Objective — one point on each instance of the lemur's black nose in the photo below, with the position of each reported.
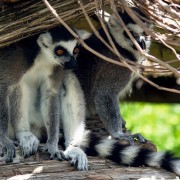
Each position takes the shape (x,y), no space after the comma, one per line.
(71,64)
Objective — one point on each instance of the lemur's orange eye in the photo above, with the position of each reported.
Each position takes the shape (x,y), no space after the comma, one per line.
(59,52)
(76,50)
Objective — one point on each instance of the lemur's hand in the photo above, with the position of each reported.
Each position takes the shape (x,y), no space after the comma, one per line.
(7,149)
(53,150)
(77,157)
(28,143)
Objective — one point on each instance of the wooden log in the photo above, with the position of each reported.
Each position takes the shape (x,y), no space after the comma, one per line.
(23,19)
(98,169)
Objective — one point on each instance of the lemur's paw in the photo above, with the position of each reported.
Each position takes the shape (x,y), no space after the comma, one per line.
(53,150)
(131,138)
(139,137)
(7,149)
(28,143)
(77,158)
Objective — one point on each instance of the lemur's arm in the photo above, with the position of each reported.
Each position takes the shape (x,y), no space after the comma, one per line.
(49,105)
(73,119)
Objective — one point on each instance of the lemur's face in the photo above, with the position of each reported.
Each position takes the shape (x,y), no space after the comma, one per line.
(66,52)
(121,36)
(138,34)
(59,50)
(62,52)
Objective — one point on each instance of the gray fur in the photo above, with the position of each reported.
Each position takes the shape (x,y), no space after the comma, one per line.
(104,83)
(8,77)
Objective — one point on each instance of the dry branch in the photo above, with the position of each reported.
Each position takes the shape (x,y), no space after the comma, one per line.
(26,18)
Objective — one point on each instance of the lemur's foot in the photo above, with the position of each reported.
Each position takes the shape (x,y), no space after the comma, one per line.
(131,138)
(28,143)
(53,150)
(16,143)
(7,149)
(77,157)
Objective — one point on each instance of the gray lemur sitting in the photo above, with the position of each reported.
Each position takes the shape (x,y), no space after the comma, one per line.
(33,69)
(103,82)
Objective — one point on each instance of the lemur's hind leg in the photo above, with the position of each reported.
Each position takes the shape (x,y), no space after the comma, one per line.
(21,103)
(7,149)
(107,107)
(73,116)
(106,100)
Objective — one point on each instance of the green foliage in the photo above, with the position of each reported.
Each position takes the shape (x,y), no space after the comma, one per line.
(159,123)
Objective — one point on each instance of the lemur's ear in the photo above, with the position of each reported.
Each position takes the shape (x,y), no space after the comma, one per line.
(44,40)
(83,34)
(113,22)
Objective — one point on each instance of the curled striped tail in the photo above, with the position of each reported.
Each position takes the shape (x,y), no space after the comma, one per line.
(129,155)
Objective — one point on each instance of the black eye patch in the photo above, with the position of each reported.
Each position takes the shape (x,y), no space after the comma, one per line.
(60,51)
(76,50)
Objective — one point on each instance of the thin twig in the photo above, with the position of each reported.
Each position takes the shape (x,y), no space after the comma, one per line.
(136,19)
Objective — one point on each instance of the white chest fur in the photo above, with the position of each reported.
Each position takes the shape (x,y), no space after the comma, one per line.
(34,82)
(41,70)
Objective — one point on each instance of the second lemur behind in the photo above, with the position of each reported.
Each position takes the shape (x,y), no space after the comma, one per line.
(105,83)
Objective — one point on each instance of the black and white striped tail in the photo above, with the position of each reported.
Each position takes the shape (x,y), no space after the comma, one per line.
(130,155)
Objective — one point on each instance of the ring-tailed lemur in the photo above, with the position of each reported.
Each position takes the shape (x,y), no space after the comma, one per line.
(31,76)
(103,82)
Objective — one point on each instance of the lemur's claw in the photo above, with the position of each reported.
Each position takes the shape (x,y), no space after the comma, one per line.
(139,137)
(7,150)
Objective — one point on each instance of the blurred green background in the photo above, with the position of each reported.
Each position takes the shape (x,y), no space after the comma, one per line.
(159,123)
